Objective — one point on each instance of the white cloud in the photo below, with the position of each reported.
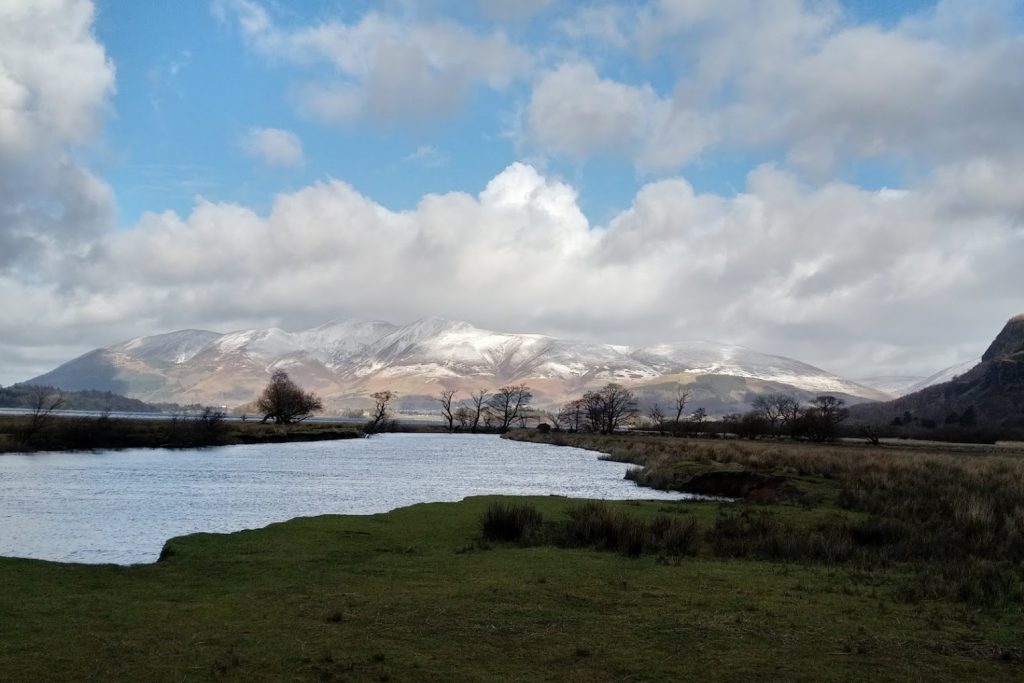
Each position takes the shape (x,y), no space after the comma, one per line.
(428,156)
(273,146)
(574,111)
(55,81)
(602,24)
(836,275)
(387,70)
(796,75)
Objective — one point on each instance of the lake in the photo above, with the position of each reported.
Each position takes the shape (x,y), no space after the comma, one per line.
(121,506)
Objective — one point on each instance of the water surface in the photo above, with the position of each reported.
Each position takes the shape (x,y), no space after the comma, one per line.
(121,506)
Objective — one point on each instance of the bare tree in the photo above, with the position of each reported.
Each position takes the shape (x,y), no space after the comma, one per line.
(478,402)
(698,418)
(508,402)
(657,418)
(43,403)
(446,407)
(772,409)
(682,395)
(382,405)
(464,416)
(609,408)
(790,410)
(285,402)
(571,415)
(821,420)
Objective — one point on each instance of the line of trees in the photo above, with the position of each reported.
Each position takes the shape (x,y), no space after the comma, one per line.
(487,411)
(780,416)
(614,407)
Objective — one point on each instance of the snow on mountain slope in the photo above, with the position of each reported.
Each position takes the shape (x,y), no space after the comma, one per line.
(944,375)
(440,348)
(351,358)
(170,348)
(895,385)
(338,341)
(708,358)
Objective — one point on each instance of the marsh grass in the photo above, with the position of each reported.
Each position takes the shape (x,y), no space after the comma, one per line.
(956,516)
(593,524)
(508,522)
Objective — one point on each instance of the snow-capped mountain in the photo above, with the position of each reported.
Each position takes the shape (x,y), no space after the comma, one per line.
(346,360)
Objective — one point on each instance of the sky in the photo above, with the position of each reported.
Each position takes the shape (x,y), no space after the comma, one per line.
(838,181)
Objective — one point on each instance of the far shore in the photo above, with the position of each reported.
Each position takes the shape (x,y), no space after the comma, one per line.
(87,433)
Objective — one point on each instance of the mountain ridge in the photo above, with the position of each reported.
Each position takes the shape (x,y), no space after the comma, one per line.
(345,360)
(987,393)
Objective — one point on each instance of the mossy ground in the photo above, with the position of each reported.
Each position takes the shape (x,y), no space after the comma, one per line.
(416,595)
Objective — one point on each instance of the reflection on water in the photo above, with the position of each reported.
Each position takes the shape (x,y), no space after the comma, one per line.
(121,507)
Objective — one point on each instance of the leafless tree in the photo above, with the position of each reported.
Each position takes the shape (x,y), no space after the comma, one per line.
(381,409)
(446,407)
(478,403)
(821,420)
(682,395)
(698,418)
(609,408)
(464,416)
(657,418)
(509,402)
(571,415)
(284,402)
(773,409)
(43,403)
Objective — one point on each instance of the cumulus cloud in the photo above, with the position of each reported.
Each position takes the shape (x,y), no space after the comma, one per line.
(55,80)
(273,146)
(835,275)
(797,75)
(576,112)
(906,280)
(386,69)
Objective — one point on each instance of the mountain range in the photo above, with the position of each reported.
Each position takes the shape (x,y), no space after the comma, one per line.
(344,361)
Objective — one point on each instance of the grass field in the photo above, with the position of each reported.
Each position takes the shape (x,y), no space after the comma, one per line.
(416,595)
(864,564)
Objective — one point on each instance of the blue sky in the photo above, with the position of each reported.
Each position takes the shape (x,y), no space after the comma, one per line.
(837,181)
(188,88)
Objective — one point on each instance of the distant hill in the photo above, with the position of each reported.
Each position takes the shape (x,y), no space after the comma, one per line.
(987,394)
(25,395)
(344,361)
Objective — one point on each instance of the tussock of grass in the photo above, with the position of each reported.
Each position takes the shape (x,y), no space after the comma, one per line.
(593,524)
(511,522)
(956,517)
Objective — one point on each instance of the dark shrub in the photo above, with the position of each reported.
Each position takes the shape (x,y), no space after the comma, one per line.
(511,522)
(598,525)
(675,536)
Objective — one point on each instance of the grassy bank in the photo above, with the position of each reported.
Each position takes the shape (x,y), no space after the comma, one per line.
(418,594)
(62,433)
(953,521)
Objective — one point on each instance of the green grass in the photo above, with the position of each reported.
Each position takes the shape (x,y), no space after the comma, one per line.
(417,594)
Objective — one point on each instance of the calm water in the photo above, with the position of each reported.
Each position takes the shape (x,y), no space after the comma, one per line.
(121,507)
